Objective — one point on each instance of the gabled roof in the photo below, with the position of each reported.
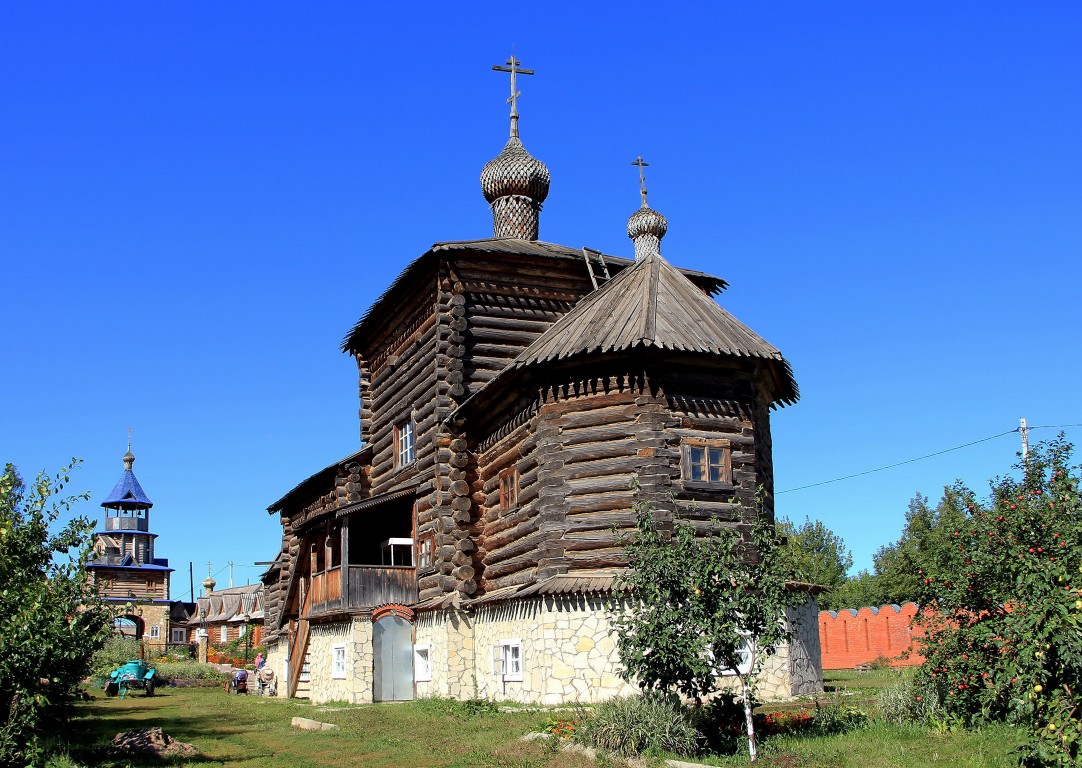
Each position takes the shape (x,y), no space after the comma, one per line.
(511,247)
(127,493)
(652,304)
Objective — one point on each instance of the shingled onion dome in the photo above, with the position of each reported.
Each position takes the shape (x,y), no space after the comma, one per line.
(515,184)
(646,227)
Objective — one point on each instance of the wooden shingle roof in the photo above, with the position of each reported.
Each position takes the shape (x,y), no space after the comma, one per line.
(651,304)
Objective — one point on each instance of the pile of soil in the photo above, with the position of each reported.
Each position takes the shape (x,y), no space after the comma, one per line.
(151,741)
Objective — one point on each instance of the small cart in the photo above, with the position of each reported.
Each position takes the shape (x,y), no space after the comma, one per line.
(134,674)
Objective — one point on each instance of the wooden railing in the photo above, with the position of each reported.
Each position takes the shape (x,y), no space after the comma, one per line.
(371,585)
(367,586)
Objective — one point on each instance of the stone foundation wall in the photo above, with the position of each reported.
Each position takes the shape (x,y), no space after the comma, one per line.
(449,637)
(276,660)
(356,686)
(568,651)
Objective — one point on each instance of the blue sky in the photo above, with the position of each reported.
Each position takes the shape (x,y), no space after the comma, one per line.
(198,201)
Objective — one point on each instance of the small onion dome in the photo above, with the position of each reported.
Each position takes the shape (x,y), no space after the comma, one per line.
(646,227)
(515,172)
(129,459)
(209,583)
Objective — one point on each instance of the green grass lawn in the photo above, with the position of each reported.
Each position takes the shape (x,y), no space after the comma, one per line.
(250,731)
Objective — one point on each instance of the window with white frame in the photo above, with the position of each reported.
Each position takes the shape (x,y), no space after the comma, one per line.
(155,632)
(743,655)
(507,660)
(338,662)
(404,451)
(179,635)
(422,664)
(243,630)
(223,634)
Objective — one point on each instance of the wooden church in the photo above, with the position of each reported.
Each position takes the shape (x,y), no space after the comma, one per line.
(510,391)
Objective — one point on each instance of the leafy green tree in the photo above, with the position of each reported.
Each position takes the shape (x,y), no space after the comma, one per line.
(855,592)
(702,603)
(927,534)
(814,554)
(1002,608)
(51,622)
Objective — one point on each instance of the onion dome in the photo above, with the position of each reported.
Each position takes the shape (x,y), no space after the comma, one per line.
(646,226)
(515,184)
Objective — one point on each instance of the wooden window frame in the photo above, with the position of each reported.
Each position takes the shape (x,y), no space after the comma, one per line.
(178,632)
(154,632)
(405,443)
(707,445)
(509,487)
(426,544)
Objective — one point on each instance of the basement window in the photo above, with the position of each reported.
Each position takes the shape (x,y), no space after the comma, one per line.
(338,662)
(706,463)
(403,440)
(422,665)
(507,660)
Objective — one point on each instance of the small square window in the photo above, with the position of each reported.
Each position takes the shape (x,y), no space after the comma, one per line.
(509,489)
(179,635)
(404,448)
(706,462)
(155,632)
(338,662)
(507,660)
(422,666)
(242,630)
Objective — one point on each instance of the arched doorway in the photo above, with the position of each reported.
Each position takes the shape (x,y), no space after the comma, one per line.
(392,646)
(129,625)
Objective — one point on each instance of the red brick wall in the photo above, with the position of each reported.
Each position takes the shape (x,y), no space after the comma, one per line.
(851,637)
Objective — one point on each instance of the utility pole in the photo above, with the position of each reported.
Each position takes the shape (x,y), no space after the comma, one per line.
(1025,438)
(191,581)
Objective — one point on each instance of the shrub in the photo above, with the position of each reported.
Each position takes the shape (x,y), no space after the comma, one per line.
(906,702)
(116,651)
(187,671)
(836,716)
(632,725)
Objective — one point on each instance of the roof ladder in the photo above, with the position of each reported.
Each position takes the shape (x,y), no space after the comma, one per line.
(592,259)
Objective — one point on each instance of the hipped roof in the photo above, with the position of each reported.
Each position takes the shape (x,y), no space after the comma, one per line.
(128,494)
(652,304)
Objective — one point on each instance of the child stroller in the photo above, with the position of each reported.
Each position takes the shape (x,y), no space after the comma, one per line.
(239,683)
(266,685)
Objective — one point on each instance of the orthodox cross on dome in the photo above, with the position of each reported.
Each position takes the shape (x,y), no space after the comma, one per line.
(514,68)
(642,178)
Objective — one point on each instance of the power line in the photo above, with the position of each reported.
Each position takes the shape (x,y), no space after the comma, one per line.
(900,463)
(926,456)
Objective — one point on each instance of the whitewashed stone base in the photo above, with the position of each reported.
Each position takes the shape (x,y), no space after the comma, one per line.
(568,654)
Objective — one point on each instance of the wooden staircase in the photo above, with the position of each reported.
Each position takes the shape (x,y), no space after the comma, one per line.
(299,657)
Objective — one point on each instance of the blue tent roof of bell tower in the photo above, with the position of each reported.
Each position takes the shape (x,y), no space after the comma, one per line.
(127,494)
